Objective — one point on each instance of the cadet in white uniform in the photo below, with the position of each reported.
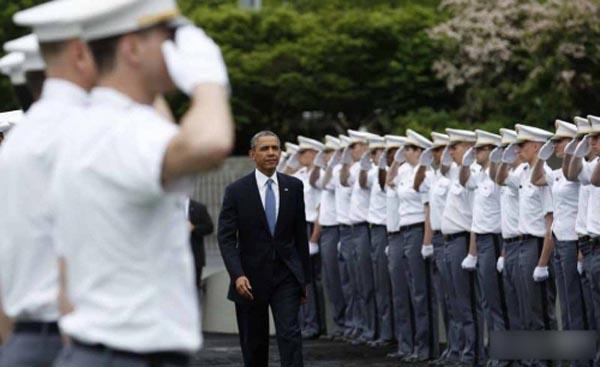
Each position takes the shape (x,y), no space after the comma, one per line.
(12,65)
(28,265)
(7,121)
(397,264)
(456,227)
(325,162)
(121,185)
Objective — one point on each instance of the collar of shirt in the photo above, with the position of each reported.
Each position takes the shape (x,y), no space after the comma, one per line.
(103,95)
(261,179)
(55,88)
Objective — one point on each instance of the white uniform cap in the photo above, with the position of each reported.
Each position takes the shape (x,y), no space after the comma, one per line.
(439,140)
(57,20)
(11,65)
(486,138)
(358,137)
(461,136)
(595,124)
(414,138)
(508,136)
(344,141)
(29,47)
(10,118)
(332,143)
(530,133)
(394,141)
(291,148)
(305,143)
(564,129)
(115,17)
(375,141)
(583,125)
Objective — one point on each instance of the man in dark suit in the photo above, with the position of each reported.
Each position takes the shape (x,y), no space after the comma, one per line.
(263,241)
(201,225)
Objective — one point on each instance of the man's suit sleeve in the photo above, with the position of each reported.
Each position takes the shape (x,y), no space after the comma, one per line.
(227,236)
(200,218)
(301,236)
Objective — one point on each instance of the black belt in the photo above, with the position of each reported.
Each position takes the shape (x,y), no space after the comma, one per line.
(436,233)
(595,241)
(412,226)
(512,239)
(35,327)
(450,237)
(378,225)
(356,225)
(393,233)
(585,238)
(332,226)
(155,359)
(526,237)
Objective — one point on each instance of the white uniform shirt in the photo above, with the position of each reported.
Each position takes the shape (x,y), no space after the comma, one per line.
(311,195)
(378,199)
(458,212)
(261,183)
(509,203)
(391,209)
(593,219)
(565,197)
(359,200)
(486,203)
(438,191)
(581,221)
(327,212)
(534,202)
(411,207)
(125,240)
(342,197)
(28,270)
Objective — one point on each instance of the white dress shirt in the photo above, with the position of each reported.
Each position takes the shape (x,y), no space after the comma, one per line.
(261,182)
(581,221)
(342,197)
(359,199)
(311,195)
(28,261)
(327,212)
(124,237)
(593,219)
(509,203)
(411,207)
(438,185)
(391,208)
(486,203)
(565,197)
(458,212)
(534,202)
(378,199)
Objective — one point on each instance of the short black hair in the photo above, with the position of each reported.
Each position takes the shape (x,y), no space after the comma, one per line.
(104,52)
(259,135)
(35,82)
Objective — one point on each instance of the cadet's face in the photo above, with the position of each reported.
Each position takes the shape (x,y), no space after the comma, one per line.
(375,154)
(595,144)
(528,150)
(390,156)
(559,146)
(357,150)
(437,154)
(152,64)
(1,138)
(457,150)
(327,155)
(482,154)
(307,157)
(412,154)
(266,154)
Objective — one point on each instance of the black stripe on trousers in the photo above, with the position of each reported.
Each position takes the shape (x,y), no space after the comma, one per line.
(473,299)
(543,290)
(429,306)
(500,281)
(586,325)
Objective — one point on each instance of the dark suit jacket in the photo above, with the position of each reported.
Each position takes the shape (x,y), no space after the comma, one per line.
(203,226)
(246,243)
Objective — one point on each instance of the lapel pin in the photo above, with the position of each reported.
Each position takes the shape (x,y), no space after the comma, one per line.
(285,189)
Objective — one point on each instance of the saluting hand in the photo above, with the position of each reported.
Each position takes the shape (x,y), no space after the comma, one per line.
(243,287)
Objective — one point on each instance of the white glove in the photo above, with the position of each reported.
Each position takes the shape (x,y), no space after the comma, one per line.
(193,59)
(320,160)
(426,158)
(540,273)
(335,159)
(347,156)
(496,155)
(387,251)
(339,247)
(365,162)
(580,267)
(446,157)
(571,146)
(583,148)
(510,154)
(500,264)
(546,151)
(282,162)
(469,263)
(382,164)
(468,158)
(427,251)
(313,248)
(399,156)
(293,163)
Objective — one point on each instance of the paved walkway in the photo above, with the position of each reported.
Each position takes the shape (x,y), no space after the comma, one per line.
(224,351)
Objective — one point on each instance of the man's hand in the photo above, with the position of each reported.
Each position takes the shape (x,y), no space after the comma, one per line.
(382,164)
(347,156)
(427,251)
(320,160)
(446,159)
(510,154)
(243,287)
(335,159)
(426,158)
(469,263)
(500,264)
(399,156)
(571,146)
(540,273)
(365,162)
(583,148)
(293,163)
(496,155)
(546,151)
(469,158)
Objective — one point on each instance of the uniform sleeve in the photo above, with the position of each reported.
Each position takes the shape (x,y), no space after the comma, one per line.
(372,177)
(585,176)
(473,181)
(513,180)
(547,198)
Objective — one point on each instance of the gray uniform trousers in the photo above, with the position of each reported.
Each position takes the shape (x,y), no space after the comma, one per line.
(537,299)
(348,277)
(25,349)
(422,293)
(382,282)
(441,284)
(366,290)
(75,356)
(510,275)
(465,303)
(311,315)
(594,276)
(568,285)
(401,299)
(586,282)
(330,237)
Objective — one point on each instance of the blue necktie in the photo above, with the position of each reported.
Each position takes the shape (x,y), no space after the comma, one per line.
(270,209)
